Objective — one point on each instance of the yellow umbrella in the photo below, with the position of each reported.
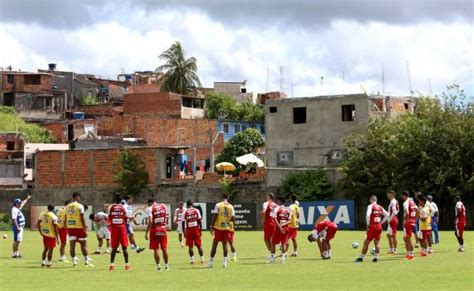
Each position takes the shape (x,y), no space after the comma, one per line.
(225,166)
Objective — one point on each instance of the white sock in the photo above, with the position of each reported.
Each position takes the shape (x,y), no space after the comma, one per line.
(49,263)
(234,254)
(226,259)
(43,262)
(191,259)
(158,266)
(86,259)
(211,259)
(325,254)
(112,264)
(167,265)
(127,264)
(202,259)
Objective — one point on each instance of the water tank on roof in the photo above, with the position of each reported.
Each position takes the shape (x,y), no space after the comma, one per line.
(52,66)
(78,115)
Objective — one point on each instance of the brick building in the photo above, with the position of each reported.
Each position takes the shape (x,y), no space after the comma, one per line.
(11,160)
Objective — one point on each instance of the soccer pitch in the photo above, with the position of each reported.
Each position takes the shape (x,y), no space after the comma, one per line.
(446,269)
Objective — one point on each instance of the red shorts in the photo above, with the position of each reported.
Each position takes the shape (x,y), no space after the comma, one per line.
(118,236)
(460,230)
(279,237)
(62,233)
(193,237)
(425,235)
(330,233)
(158,238)
(268,229)
(49,242)
(221,235)
(374,233)
(408,229)
(292,233)
(392,227)
(76,234)
(231,237)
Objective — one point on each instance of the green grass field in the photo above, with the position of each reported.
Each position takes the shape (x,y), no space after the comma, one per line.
(446,269)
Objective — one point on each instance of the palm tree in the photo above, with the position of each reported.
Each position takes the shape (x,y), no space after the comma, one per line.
(179,73)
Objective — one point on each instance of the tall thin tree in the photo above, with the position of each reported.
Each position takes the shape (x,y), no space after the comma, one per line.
(179,73)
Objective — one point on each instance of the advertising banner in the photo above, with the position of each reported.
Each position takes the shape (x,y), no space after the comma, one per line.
(36,211)
(245,215)
(339,211)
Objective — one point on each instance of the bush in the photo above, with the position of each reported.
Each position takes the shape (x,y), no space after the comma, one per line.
(131,173)
(307,185)
(4,221)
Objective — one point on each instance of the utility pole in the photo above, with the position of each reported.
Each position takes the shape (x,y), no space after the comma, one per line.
(409,79)
(213,141)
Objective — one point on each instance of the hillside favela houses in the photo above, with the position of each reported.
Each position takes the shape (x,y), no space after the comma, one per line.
(307,132)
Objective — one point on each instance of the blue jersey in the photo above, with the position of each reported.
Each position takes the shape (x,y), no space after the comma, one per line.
(18,216)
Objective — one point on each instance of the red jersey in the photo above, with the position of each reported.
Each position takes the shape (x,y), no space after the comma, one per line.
(375,213)
(192,216)
(411,210)
(283,215)
(460,212)
(324,225)
(268,208)
(117,215)
(394,207)
(159,215)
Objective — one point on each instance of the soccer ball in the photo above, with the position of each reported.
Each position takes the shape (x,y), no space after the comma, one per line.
(372,251)
(355,245)
(5,236)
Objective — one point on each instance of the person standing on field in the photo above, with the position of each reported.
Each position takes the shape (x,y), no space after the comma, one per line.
(62,232)
(158,236)
(77,229)
(127,203)
(178,221)
(268,221)
(118,232)
(294,224)
(48,228)
(392,222)
(282,216)
(375,217)
(410,215)
(460,214)
(18,222)
(425,226)
(220,227)
(192,219)
(434,220)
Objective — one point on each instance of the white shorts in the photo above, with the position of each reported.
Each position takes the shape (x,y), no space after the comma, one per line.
(129,228)
(180,227)
(17,234)
(103,232)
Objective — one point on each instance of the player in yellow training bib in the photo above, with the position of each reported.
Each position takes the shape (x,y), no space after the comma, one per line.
(48,228)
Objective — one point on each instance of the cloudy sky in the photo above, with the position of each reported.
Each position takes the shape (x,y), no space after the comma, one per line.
(429,42)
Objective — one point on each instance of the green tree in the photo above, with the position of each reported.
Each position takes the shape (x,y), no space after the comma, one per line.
(240,144)
(430,151)
(131,173)
(179,74)
(90,100)
(224,107)
(307,185)
(34,133)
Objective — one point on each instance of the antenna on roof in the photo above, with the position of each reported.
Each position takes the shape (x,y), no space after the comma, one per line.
(363,89)
(409,79)
(268,77)
(281,78)
(383,80)
(321,86)
(343,83)
(292,85)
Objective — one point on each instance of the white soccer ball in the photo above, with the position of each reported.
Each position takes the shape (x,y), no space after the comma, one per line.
(372,251)
(5,236)
(355,245)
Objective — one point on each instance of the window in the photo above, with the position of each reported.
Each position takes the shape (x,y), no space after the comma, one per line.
(243,90)
(348,112)
(299,115)
(285,158)
(273,109)
(244,127)
(32,80)
(187,102)
(406,106)
(10,145)
(9,99)
(226,128)
(10,79)
(237,128)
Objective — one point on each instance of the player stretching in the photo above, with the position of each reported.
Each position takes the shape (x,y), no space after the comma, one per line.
(48,228)
(220,226)
(293,226)
(102,222)
(192,218)
(282,216)
(127,203)
(77,229)
(62,232)
(460,213)
(323,232)
(158,237)
(118,231)
(392,222)
(178,221)
(268,221)
(18,223)
(410,213)
(425,226)
(375,217)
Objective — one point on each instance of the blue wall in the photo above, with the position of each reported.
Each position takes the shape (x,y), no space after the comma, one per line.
(231,128)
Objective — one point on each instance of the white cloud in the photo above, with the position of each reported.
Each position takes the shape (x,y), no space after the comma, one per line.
(438,51)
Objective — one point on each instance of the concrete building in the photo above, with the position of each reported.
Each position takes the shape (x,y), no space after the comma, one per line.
(11,161)
(307,133)
(237,90)
(32,94)
(231,128)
